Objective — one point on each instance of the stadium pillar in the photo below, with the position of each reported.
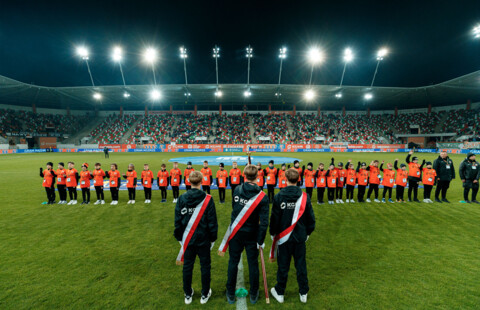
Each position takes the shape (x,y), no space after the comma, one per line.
(469,104)
(368,112)
(34,109)
(146,111)
(343,112)
(318,111)
(121,111)
(195,111)
(171,109)
(220,110)
(294,109)
(68,111)
(269,109)
(429,109)
(396,111)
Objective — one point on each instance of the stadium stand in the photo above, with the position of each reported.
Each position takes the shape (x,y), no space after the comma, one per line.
(311,128)
(232,129)
(113,131)
(462,122)
(270,128)
(426,122)
(193,129)
(156,128)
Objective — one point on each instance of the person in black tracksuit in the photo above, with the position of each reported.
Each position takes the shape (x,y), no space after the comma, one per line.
(203,238)
(443,165)
(281,218)
(250,236)
(412,180)
(470,175)
(105,151)
(62,188)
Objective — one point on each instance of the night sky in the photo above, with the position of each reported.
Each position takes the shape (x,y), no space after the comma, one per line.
(430,41)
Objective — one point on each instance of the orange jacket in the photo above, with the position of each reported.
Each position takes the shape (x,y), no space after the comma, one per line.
(271,175)
(332,178)
(131,176)
(362,177)
(147,178)
(260,178)
(321,179)
(71,177)
(222,178)
(175,177)
(342,173)
(388,177)
(162,177)
(429,176)
(186,174)
(351,177)
(85,177)
(61,176)
(402,176)
(282,179)
(413,170)
(374,175)
(98,176)
(207,176)
(309,178)
(48,176)
(114,177)
(235,175)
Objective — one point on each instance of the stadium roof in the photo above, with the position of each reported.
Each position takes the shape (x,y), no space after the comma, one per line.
(455,91)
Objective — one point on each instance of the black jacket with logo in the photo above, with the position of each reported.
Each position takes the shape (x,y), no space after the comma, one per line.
(255,227)
(469,170)
(207,228)
(282,214)
(444,168)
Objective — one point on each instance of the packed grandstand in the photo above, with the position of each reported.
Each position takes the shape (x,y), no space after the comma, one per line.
(454,125)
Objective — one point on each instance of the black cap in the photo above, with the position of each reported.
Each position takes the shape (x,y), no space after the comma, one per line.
(221,165)
(364,164)
(470,155)
(414,158)
(271,162)
(296,162)
(310,164)
(61,164)
(402,165)
(50,164)
(340,164)
(283,164)
(189,163)
(428,163)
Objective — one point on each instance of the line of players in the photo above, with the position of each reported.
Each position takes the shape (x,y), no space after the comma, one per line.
(332,180)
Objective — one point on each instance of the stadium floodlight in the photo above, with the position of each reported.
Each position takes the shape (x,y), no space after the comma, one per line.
(216,55)
(315,56)
(476,31)
(187,94)
(368,96)
(380,55)
(218,93)
(247,93)
(249,55)
(347,57)
(282,55)
(82,51)
(155,95)
(184,55)
(309,94)
(338,95)
(97,96)
(117,54)
(126,95)
(150,56)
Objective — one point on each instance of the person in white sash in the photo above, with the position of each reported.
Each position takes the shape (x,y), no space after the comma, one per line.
(291,223)
(249,224)
(196,230)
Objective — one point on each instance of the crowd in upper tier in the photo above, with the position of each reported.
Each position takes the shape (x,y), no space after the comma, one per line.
(245,128)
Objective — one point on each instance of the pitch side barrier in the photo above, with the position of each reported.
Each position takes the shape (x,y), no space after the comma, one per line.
(229,150)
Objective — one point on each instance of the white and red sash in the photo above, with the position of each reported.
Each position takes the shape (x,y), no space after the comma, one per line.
(283,237)
(241,218)
(192,226)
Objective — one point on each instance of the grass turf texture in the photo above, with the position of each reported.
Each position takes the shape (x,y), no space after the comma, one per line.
(381,256)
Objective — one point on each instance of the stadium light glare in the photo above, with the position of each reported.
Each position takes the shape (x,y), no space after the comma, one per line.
(382,53)
(183,52)
(249,52)
(216,52)
(97,96)
(155,94)
(117,54)
(150,55)
(247,93)
(218,93)
(348,55)
(283,53)
(368,96)
(476,31)
(126,95)
(338,95)
(82,51)
(309,95)
(315,55)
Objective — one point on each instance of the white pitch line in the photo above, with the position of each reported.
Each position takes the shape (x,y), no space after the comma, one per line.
(241,301)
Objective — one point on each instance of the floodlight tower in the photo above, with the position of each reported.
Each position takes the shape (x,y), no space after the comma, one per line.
(380,55)
(216,55)
(347,57)
(282,55)
(476,31)
(117,56)
(315,56)
(150,56)
(249,55)
(184,56)
(83,52)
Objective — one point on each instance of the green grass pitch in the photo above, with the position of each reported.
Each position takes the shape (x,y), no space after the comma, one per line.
(361,256)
